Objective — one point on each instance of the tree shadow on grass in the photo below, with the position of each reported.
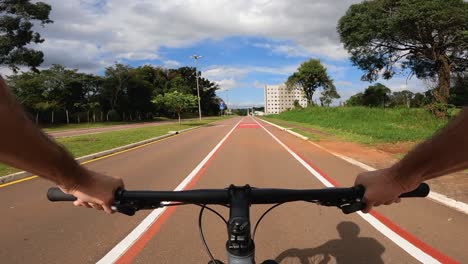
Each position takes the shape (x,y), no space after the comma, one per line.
(349,249)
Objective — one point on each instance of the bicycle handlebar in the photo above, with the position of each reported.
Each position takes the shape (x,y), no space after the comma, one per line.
(347,199)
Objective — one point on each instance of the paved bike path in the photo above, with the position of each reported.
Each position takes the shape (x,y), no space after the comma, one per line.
(298,231)
(36,231)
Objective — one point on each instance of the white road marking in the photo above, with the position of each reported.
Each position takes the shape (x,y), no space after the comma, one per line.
(437,197)
(131,238)
(382,228)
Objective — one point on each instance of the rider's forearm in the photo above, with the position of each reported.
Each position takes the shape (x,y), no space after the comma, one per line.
(445,153)
(24,146)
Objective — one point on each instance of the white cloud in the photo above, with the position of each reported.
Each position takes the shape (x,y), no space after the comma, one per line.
(227,84)
(136,30)
(224,72)
(171,63)
(230,77)
(283,49)
(397,84)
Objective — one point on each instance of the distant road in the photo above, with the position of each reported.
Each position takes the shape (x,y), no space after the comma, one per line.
(85,131)
(234,151)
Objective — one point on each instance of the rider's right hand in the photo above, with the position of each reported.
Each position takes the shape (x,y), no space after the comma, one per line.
(382,187)
(94,190)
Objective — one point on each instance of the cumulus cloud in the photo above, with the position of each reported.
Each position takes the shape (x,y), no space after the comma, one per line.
(231,77)
(136,30)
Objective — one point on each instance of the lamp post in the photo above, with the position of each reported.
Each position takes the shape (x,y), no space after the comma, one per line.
(196,57)
(227,101)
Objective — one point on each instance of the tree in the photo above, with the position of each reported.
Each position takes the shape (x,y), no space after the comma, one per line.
(116,84)
(328,94)
(419,100)
(29,90)
(308,77)
(297,105)
(377,95)
(16,32)
(459,94)
(402,98)
(176,102)
(355,100)
(56,81)
(425,37)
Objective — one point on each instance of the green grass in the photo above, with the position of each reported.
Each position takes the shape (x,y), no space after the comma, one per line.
(62,127)
(88,144)
(366,125)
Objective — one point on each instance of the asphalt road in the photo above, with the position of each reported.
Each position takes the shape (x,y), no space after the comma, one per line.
(240,151)
(97,130)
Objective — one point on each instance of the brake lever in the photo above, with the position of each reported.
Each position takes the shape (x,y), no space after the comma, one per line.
(349,204)
(353,207)
(124,209)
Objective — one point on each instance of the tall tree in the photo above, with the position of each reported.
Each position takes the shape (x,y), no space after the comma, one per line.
(16,23)
(427,37)
(308,77)
(377,95)
(29,90)
(355,100)
(459,95)
(328,94)
(402,98)
(116,84)
(419,100)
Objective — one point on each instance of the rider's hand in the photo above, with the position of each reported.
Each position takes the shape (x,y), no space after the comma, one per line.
(382,187)
(95,190)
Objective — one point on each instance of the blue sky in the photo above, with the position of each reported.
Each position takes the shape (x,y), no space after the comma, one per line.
(245,44)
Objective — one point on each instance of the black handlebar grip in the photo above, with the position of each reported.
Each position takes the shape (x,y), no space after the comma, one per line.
(422,191)
(54,194)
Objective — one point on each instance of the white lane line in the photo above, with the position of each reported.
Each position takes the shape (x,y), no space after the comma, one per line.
(131,238)
(436,197)
(382,228)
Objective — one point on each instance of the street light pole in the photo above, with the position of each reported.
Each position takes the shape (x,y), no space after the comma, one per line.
(227,101)
(196,57)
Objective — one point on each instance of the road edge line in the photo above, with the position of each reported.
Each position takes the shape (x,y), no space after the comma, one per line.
(434,196)
(287,130)
(413,246)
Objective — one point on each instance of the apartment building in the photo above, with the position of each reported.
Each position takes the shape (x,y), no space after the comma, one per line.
(278,98)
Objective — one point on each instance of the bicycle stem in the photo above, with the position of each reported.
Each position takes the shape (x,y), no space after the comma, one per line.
(240,247)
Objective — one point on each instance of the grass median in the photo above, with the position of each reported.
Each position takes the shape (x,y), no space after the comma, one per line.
(88,144)
(363,125)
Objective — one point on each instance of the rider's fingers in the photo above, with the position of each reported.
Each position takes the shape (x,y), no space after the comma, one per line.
(81,203)
(369,205)
(95,206)
(107,209)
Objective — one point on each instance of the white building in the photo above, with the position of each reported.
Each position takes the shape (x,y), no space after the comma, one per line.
(278,98)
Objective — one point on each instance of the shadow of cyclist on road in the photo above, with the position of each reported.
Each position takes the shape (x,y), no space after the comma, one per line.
(349,249)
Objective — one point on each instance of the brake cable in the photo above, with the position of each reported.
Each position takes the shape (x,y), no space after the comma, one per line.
(200,229)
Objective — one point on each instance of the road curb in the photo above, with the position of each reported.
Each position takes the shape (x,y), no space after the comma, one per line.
(24,174)
(286,129)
